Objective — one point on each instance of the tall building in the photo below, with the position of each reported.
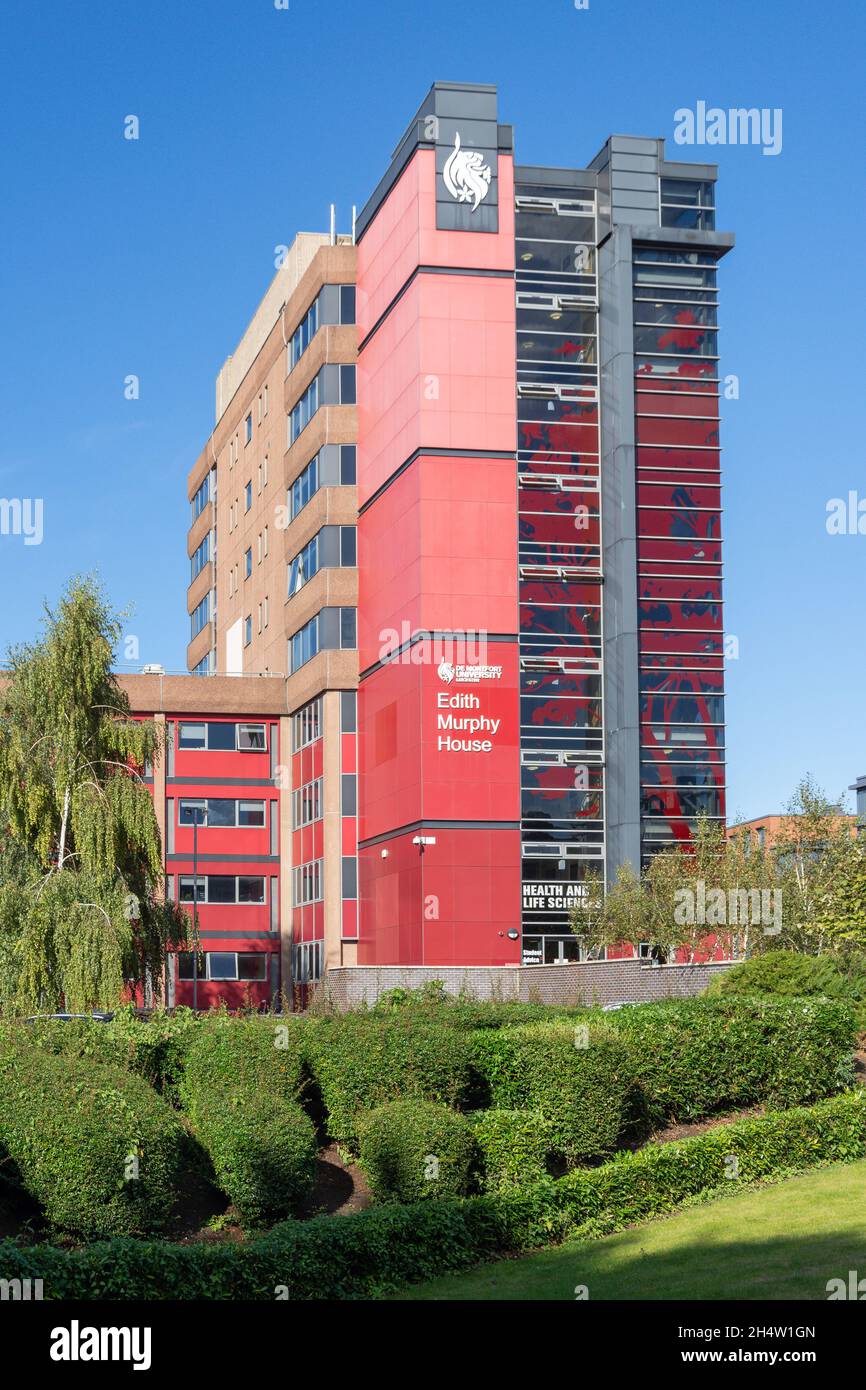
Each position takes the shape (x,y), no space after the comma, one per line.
(518,446)
(273,588)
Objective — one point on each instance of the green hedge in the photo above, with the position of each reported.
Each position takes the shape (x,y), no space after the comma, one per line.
(361,1061)
(258,1054)
(384,1249)
(692,1057)
(263,1150)
(514,1146)
(77,1130)
(239,1084)
(152,1047)
(578,1077)
(417,1149)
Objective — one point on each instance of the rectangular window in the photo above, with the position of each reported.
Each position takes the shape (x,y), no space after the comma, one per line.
(192,736)
(347,385)
(350,877)
(248,562)
(248,629)
(223,889)
(266,411)
(349,794)
(222,965)
(347,304)
(248,428)
(348,711)
(251,813)
(200,616)
(307,804)
(307,724)
(201,556)
(248,495)
(252,965)
(304,410)
(307,883)
(252,738)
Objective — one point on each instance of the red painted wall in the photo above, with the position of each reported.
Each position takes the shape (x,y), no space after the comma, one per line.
(437,553)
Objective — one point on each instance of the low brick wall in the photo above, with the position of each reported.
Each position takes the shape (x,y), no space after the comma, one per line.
(586,982)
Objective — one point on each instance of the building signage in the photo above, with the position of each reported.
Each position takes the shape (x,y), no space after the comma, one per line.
(552,897)
(447,671)
(466,176)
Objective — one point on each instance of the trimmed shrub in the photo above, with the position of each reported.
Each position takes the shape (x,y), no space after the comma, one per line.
(361,1061)
(514,1146)
(96,1146)
(377,1251)
(789,973)
(263,1150)
(417,1149)
(696,1056)
(254,1054)
(578,1077)
(238,1087)
(153,1047)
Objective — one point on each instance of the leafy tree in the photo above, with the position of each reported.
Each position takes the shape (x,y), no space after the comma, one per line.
(81,916)
(681,901)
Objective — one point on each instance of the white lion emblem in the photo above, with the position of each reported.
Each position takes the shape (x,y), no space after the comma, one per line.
(466,176)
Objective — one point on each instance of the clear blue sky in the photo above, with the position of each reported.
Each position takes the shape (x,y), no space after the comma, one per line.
(149,257)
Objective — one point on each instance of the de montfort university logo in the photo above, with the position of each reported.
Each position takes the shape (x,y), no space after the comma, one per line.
(447,671)
(466,176)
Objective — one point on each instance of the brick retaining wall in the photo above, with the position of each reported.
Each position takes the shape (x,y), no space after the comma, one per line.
(586,982)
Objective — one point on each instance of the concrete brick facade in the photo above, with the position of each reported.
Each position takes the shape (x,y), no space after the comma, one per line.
(583,983)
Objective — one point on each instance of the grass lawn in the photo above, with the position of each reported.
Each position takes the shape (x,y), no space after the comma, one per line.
(776,1242)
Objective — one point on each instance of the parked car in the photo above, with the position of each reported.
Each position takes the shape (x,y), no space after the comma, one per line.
(95,1017)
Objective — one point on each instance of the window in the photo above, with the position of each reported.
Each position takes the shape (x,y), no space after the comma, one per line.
(200,616)
(348,711)
(205,493)
(307,883)
(224,965)
(248,562)
(248,629)
(223,888)
(304,410)
(266,411)
(308,961)
(688,203)
(248,495)
(192,736)
(332,629)
(248,428)
(304,566)
(350,877)
(222,736)
(303,335)
(349,794)
(307,724)
(347,385)
(307,804)
(266,609)
(221,811)
(259,549)
(265,540)
(347,304)
(252,738)
(332,466)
